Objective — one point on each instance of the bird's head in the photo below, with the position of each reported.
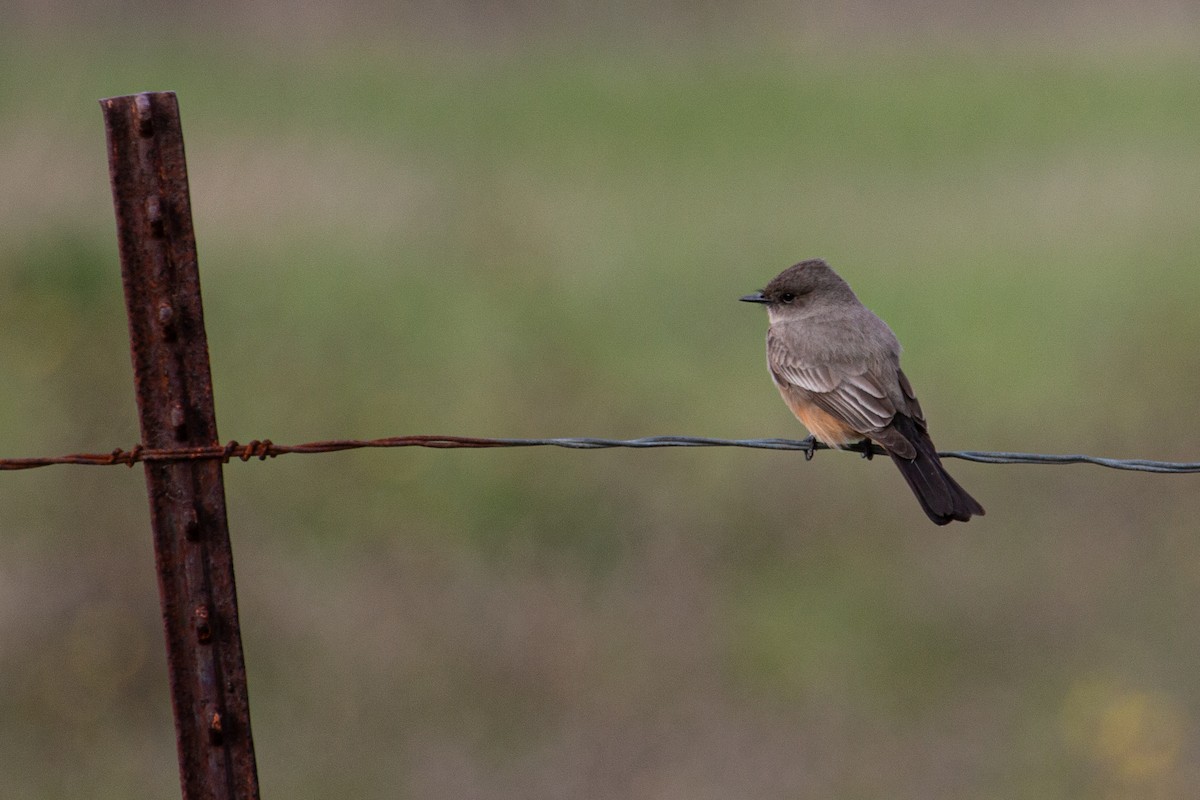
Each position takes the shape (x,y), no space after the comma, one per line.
(792,292)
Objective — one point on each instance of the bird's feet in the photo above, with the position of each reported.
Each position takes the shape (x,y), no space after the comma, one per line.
(868,449)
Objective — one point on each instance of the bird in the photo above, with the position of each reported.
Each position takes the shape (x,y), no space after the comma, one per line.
(837,366)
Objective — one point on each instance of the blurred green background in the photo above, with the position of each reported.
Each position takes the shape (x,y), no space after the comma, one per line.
(534,220)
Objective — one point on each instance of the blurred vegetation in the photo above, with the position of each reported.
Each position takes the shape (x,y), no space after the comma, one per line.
(544,233)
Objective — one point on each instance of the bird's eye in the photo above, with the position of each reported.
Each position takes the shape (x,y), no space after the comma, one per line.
(787,297)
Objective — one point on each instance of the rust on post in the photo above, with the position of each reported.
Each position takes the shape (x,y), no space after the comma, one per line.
(175,403)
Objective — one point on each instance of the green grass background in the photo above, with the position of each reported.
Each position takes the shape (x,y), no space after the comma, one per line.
(542,231)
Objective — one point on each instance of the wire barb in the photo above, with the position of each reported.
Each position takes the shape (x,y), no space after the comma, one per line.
(264,449)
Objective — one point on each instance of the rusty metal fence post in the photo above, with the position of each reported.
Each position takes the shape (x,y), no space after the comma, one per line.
(175,404)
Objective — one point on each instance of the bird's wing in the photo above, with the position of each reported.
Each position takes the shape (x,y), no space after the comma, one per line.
(914,408)
(855,395)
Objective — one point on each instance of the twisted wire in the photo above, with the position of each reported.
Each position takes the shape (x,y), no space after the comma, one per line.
(264,449)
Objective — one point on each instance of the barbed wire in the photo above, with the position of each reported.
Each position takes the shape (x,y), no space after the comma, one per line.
(265,449)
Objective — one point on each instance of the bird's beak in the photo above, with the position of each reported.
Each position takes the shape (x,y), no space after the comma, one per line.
(757,297)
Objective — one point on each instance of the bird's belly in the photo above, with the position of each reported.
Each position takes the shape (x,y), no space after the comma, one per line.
(826,427)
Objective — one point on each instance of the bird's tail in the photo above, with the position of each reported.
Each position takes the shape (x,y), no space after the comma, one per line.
(942,499)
